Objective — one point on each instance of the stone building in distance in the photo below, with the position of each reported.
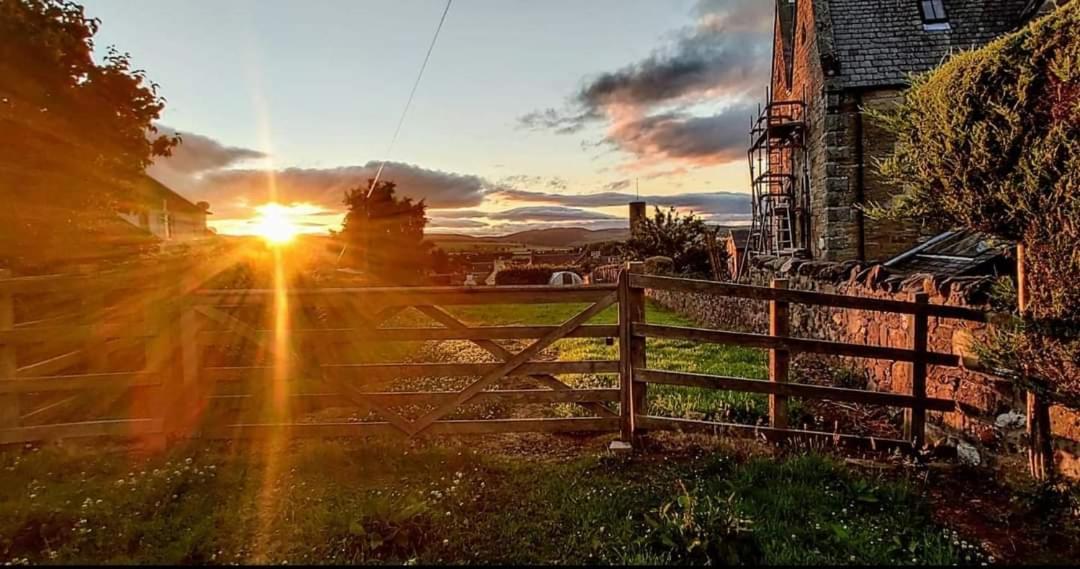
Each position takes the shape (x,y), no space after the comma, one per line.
(813,149)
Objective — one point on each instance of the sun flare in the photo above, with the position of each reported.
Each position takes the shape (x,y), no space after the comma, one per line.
(275,224)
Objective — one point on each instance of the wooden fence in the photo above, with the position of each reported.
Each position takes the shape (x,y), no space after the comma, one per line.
(637,375)
(173,386)
(367,309)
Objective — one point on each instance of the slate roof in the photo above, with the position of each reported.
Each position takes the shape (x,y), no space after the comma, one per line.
(149,192)
(739,236)
(882,42)
(953,254)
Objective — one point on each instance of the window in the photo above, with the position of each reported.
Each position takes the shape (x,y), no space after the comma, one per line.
(933,15)
(933,11)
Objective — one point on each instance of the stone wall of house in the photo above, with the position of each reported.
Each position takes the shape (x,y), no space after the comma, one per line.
(830,143)
(882,239)
(842,144)
(994,405)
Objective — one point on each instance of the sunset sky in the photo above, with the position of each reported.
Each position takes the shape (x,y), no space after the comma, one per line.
(530,113)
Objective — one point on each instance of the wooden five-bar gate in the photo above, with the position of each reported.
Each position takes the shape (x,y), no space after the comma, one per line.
(133,359)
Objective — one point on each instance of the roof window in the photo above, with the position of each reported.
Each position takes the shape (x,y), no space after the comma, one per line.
(933,15)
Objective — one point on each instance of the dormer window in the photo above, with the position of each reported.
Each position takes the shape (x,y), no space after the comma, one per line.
(933,15)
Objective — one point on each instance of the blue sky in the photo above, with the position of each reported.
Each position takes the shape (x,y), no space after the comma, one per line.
(311,91)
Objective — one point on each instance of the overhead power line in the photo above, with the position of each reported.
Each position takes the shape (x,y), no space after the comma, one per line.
(404,112)
(412,94)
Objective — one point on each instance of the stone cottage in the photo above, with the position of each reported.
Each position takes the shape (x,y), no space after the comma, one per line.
(813,147)
(167,215)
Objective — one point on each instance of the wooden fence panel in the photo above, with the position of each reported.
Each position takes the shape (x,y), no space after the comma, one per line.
(9,403)
(780,345)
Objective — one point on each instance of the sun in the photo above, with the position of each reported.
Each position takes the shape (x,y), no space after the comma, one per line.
(274,224)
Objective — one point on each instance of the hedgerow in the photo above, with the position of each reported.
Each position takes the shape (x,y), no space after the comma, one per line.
(991,141)
(532,275)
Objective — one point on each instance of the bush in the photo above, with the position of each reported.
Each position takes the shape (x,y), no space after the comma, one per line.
(991,141)
(659,265)
(682,238)
(532,275)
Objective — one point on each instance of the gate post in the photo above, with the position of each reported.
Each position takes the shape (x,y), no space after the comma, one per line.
(9,404)
(1040,438)
(915,417)
(631,352)
(779,360)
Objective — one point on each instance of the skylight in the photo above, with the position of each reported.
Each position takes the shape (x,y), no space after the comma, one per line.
(933,15)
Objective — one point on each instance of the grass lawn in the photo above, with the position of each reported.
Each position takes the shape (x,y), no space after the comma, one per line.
(675,355)
(362,501)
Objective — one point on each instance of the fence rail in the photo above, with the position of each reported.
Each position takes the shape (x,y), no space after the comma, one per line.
(172,325)
(781,347)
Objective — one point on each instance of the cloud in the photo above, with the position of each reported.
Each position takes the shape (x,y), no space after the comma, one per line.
(704,140)
(195,155)
(553,182)
(712,203)
(456,213)
(204,169)
(617,185)
(443,223)
(548,213)
(561,122)
(327,186)
(725,56)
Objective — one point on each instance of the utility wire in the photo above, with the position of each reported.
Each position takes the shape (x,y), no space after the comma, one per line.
(404,112)
(412,94)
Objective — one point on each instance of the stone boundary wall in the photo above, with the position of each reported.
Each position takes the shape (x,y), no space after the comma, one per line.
(996,424)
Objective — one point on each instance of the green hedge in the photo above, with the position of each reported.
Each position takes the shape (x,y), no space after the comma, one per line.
(532,275)
(991,141)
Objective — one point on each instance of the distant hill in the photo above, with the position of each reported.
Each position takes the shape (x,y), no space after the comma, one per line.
(557,237)
(554,237)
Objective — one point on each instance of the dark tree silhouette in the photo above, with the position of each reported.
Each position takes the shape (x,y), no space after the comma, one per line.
(680,237)
(74,134)
(385,234)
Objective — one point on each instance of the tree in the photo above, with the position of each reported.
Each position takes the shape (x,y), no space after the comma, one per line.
(385,234)
(680,237)
(74,134)
(991,141)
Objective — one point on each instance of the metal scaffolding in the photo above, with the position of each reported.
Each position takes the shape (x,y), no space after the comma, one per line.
(780,181)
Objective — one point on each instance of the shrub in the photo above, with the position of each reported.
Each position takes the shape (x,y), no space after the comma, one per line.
(991,141)
(679,237)
(532,275)
(659,265)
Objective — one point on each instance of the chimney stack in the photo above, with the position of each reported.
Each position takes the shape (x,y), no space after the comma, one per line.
(637,217)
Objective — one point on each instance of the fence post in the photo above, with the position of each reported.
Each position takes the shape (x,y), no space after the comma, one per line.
(631,352)
(1040,443)
(779,360)
(915,417)
(9,404)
